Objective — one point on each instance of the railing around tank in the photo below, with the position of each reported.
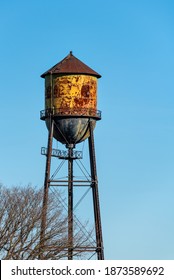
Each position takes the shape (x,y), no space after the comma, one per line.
(64,112)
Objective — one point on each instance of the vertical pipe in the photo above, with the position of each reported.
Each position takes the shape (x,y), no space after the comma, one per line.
(46,187)
(70,202)
(94,185)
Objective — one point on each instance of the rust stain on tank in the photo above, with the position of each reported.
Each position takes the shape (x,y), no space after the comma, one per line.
(71,91)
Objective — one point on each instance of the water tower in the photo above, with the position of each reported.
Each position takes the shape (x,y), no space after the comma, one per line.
(70,115)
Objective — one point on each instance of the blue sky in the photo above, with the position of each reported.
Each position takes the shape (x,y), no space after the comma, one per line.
(130,43)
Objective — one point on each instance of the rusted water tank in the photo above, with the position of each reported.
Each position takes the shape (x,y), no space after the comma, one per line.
(71,99)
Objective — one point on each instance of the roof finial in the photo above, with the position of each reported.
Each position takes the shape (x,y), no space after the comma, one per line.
(70,52)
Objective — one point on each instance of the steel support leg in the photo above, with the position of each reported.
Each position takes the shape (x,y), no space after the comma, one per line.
(94,185)
(70,202)
(46,187)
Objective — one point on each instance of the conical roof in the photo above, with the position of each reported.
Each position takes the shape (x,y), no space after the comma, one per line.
(71,65)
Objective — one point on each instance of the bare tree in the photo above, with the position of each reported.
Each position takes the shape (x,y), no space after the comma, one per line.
(20,220)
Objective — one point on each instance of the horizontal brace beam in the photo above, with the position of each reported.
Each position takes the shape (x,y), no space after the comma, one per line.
(77,249)
(56,185)
(73,181)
